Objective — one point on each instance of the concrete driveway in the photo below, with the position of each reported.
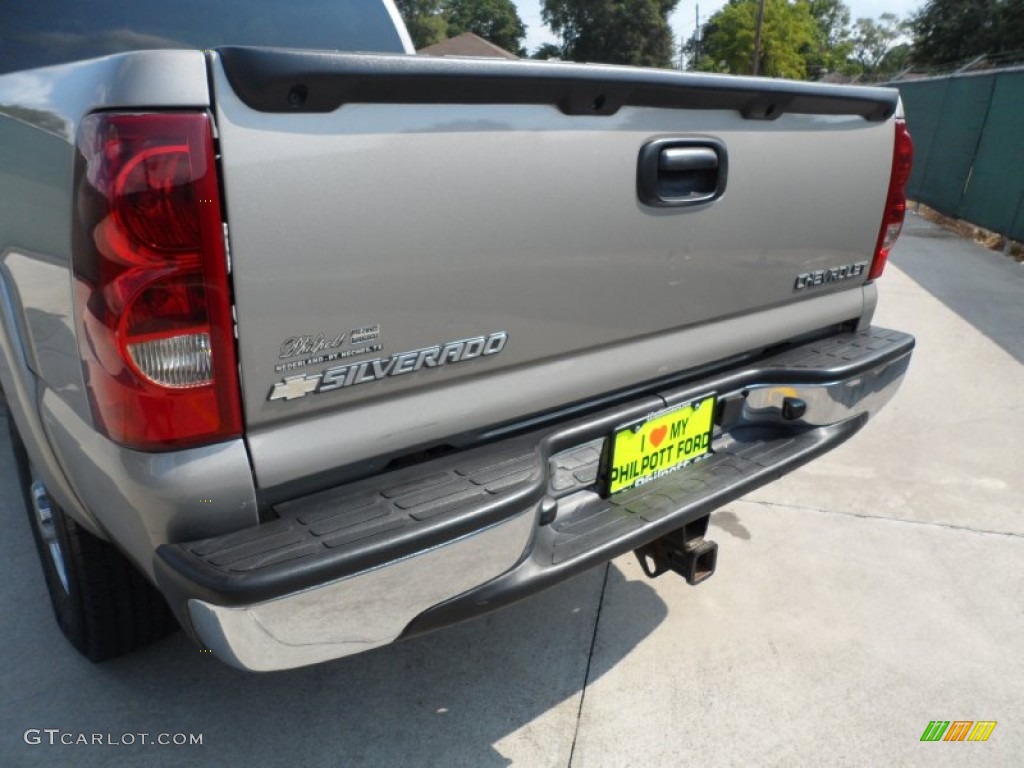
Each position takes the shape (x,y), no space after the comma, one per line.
(877,589)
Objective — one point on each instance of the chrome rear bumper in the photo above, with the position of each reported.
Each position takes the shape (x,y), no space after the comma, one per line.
(359,566)
(359,612)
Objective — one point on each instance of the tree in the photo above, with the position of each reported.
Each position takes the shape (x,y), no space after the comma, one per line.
(424,21)
(896,59)
(1010,23)
(494,20)
(833,20)
(613,31)
(872,40)
(949,31)
(547,51)
(790,33)
(833,46)
(431,21)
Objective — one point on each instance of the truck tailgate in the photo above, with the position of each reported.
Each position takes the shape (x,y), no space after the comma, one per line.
(389,205)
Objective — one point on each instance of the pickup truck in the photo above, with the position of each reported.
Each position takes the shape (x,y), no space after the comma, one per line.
(309,344)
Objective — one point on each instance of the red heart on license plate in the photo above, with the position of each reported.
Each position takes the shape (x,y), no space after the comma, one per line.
(657,435)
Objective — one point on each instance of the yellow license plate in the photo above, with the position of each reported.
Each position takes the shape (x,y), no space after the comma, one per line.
(661,443)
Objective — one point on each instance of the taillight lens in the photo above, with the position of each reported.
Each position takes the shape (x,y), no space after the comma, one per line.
(896,199)
(151,281)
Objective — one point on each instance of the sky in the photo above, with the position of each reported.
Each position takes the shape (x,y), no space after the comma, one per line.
(683,20)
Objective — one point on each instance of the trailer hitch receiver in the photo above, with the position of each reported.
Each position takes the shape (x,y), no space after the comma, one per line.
(684,550)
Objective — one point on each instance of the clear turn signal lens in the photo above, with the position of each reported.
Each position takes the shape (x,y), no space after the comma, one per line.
(176,361)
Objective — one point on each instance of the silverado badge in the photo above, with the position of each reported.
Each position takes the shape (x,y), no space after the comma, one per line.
(350,374)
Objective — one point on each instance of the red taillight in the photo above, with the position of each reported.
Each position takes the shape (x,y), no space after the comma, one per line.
(895,201)
(151,281)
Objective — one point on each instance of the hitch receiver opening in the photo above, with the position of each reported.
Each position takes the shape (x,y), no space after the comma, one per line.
(684,551)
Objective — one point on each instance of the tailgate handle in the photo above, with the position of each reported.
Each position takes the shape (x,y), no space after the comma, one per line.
(678,159)
(681,172)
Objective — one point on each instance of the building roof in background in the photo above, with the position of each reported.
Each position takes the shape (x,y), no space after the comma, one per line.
(466,44)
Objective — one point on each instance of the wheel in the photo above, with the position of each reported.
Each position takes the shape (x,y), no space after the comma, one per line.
(104,606)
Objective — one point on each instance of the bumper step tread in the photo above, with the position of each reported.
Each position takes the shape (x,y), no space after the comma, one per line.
(346,529)
(847,348)
(602,520)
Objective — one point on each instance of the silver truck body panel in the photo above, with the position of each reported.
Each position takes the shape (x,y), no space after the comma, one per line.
(444,222)
(142,500)
(39,115)
(138,500)
(42,286)
(21,392)
(870,303)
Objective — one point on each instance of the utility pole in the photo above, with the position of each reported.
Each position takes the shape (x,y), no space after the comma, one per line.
(757,39)
(696,41)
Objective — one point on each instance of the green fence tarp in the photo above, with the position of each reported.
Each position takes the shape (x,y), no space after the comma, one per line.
(996,188)
(968,135)
(922,103)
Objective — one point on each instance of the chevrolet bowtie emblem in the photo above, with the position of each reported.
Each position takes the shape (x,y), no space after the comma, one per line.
(294,386)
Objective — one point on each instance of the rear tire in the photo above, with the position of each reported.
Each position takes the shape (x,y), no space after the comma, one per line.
(103,605)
